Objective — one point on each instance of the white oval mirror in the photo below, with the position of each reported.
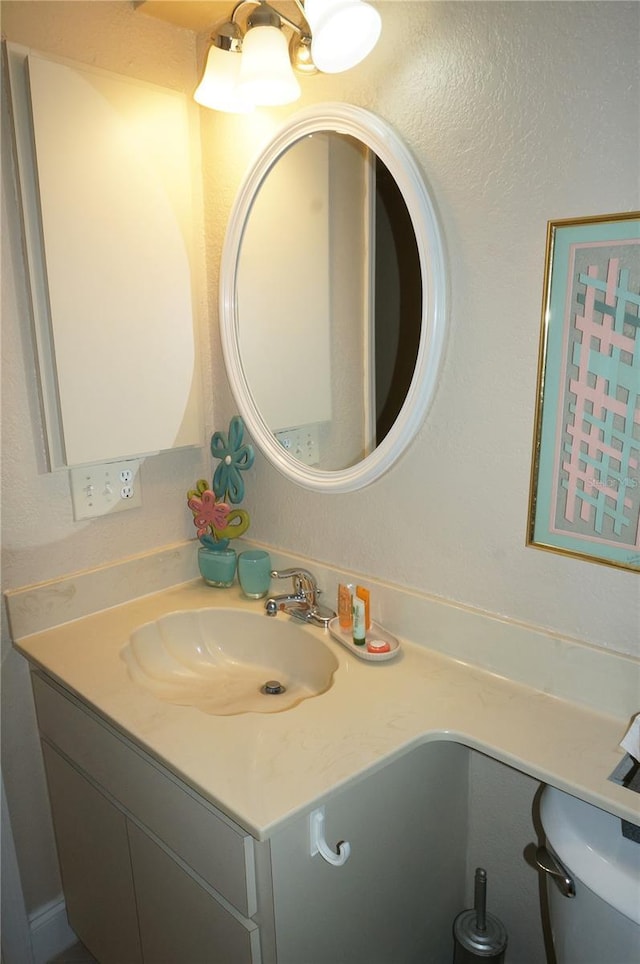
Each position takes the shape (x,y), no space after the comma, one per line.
(333,298)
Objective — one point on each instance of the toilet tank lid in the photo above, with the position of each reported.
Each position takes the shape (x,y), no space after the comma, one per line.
(590,844)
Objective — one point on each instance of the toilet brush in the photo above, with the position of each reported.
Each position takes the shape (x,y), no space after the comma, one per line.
(479,936)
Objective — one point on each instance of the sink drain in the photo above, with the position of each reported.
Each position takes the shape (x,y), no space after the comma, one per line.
(273,687)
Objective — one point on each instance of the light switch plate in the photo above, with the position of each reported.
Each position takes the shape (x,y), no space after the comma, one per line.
(105,487)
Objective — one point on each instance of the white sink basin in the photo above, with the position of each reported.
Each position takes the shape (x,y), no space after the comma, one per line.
(219,661)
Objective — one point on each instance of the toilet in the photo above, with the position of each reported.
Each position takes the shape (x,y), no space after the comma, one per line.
(587,853)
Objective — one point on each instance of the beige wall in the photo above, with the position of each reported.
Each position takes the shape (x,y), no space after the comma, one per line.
(512,110)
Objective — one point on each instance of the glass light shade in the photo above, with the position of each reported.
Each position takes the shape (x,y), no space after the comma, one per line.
(219,88)
(344,32)
(266,74)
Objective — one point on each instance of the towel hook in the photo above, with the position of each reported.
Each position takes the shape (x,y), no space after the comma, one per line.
(318,844)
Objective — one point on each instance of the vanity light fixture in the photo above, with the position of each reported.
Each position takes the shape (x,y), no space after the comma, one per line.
(344,33)
(266,74)
(219,85)
(254,66)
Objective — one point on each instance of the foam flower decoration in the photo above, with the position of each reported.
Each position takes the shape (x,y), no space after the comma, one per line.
(213,517)
(207,512)
(234,459)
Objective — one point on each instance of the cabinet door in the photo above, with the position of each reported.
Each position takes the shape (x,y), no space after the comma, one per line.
(395,899)
(93,851)
(214,847)
(181,922)
(105,180)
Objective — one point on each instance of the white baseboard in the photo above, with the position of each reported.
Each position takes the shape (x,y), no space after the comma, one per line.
(50,931)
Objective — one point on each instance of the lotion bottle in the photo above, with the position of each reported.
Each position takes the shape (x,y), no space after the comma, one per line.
(345,594)
(364,594)
(359,628)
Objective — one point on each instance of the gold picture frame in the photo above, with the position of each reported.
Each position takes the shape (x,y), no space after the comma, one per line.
(585,473)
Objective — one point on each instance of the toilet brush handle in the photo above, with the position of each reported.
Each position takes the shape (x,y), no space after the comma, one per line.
(480,899)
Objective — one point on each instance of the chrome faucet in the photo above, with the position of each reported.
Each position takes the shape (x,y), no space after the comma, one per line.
(302,602)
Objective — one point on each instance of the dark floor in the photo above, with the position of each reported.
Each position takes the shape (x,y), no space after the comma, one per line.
(77,954)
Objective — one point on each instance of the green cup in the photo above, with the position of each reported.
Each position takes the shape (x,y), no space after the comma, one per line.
(254,573)
(217,566)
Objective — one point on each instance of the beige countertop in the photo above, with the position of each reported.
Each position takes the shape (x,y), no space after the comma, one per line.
(260,769)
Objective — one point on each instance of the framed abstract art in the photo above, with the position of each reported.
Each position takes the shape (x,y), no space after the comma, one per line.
(585,478)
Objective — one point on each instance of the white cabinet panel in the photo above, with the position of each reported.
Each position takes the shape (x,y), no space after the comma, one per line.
(93,850)
(105,169)
(179,920)
(394,900)
(204,838)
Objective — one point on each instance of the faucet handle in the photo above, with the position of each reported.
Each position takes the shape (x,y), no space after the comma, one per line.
(304,582)
(304,604)
(291,573)
(298,575)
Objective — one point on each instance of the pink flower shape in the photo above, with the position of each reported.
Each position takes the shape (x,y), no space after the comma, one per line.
(207,512)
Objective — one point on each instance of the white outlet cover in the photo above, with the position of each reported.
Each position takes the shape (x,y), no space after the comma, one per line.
(105,487)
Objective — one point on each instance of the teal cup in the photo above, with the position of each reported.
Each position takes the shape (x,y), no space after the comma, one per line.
(254,573)
(217,566)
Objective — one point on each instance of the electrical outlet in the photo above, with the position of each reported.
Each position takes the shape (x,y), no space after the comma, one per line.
(106,487)
(302,442)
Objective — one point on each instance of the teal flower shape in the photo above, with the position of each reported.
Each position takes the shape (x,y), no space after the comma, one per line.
(234,459)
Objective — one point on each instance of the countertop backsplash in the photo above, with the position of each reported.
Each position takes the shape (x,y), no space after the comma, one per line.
(558,666)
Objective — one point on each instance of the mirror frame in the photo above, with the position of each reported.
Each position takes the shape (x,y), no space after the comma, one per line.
(376,134)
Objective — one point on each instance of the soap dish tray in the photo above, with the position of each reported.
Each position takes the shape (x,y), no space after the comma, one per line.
(345,637)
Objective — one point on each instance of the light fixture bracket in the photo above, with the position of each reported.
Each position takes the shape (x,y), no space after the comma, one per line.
(264,16)
(265,7)
(227,36)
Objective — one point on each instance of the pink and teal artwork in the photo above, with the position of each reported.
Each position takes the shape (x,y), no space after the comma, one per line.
(585,493)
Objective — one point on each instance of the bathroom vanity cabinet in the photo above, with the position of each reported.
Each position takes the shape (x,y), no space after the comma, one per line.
(153,872)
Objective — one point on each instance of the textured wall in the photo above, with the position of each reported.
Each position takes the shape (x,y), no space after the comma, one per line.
(512,110)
